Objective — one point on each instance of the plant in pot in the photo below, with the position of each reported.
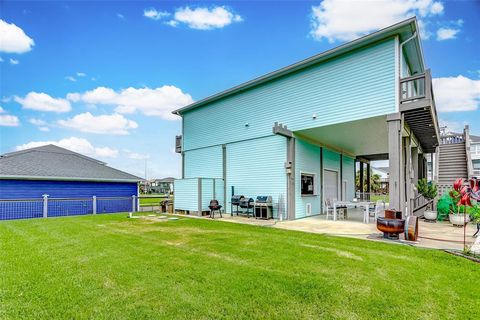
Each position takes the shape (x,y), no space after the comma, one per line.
(458,212)
(468,196)
(429,191)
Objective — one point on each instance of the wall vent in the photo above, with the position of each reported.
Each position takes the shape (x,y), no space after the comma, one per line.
(308,209)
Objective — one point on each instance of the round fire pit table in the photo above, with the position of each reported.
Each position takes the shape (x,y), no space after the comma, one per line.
(391,228)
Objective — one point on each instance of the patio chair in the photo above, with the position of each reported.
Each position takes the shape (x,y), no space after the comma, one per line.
(215,206)
(341,210)
(376,211)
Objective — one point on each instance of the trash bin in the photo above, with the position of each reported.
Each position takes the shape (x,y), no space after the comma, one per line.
(163,206)
(169,206)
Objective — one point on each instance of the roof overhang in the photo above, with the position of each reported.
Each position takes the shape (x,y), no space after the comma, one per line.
(15,177)
(403,30)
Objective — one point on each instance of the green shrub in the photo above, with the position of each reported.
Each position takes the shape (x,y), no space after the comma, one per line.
(444,205)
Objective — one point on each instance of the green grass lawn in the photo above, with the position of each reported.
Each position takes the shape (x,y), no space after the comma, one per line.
(111,267)
(147,200)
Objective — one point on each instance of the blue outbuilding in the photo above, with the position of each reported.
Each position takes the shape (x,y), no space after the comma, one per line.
(70,180)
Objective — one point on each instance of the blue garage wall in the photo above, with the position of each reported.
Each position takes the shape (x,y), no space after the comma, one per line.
(111,197)
(27,189)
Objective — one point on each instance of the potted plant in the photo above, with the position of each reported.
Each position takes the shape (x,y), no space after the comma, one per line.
(458,212)
(468,196)
(429,191)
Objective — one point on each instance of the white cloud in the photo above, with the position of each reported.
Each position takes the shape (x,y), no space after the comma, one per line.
(1,59)
(70,78)
(447,33)
(74,97)
(205,19)
(160,101)
(120,16)
(456,94)
(154,14)
(81,74)
(104,124)
(346,20)
(43,102)
(37,122)
(13,39)
(14,61)
(75,144)
(45,129)
(9,120)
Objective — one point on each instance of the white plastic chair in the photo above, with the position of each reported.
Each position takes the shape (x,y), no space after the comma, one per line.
(379,209)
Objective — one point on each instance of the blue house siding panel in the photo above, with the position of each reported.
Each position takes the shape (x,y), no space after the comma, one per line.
(348,170)
(30,189)
(357,85)
(35,189)
(204,163)
(307,160)
(257,167)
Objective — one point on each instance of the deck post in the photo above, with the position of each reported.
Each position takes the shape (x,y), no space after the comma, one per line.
(94,204)
(134,202)
(361,181)
(369,178)
(45,205)
(395,125)
(290,168)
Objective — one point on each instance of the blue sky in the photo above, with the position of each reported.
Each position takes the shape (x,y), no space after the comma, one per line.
(102,77)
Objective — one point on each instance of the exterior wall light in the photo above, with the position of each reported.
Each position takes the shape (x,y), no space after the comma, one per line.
(247,124)
(314,116)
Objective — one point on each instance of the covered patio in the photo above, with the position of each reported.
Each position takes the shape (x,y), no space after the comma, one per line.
(440,235)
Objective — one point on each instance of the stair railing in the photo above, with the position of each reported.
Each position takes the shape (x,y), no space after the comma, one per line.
(466,134)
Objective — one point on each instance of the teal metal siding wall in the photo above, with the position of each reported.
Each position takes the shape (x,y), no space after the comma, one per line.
(349,175)
(307,159)
(357,85)
(256,167)
(186,194)
(204,163)
(331,160)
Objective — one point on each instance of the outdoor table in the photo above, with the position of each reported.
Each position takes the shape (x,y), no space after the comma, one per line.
(365,204)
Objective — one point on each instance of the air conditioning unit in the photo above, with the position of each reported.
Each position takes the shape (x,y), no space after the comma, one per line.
(308,209)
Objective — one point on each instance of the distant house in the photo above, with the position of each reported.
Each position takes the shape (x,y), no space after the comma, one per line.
(61,173)
(162,186)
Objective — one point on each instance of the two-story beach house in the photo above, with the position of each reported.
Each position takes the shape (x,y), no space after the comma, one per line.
(296,134)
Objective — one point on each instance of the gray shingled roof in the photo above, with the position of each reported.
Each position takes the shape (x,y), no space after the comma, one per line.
(52,162)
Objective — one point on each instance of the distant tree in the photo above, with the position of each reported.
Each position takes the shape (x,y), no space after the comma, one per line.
(375,184)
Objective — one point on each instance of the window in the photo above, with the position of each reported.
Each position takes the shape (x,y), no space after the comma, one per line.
(476,164)
(307,182)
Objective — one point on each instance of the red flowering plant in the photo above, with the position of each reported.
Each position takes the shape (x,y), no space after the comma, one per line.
(465,196)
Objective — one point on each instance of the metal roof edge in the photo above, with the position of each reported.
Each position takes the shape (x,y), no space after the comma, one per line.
(362,41)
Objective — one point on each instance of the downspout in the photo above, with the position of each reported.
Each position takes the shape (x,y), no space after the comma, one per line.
(401,50)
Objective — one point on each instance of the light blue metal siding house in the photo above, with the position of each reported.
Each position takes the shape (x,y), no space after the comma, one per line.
(296,134)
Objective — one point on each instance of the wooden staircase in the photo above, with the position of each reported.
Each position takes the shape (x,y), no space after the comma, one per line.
(452,162)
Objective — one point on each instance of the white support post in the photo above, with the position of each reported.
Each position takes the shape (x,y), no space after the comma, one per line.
(94,204)
(134,204)
(45,205)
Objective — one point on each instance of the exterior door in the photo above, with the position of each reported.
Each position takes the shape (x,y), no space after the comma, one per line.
(330,184)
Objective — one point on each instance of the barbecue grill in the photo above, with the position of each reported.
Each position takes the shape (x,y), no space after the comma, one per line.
(247,204)
(263,207)
(235,201)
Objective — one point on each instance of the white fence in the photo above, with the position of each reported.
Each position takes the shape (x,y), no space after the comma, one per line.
(55,207)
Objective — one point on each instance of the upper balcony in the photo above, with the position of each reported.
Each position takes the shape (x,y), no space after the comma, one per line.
(417,104)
